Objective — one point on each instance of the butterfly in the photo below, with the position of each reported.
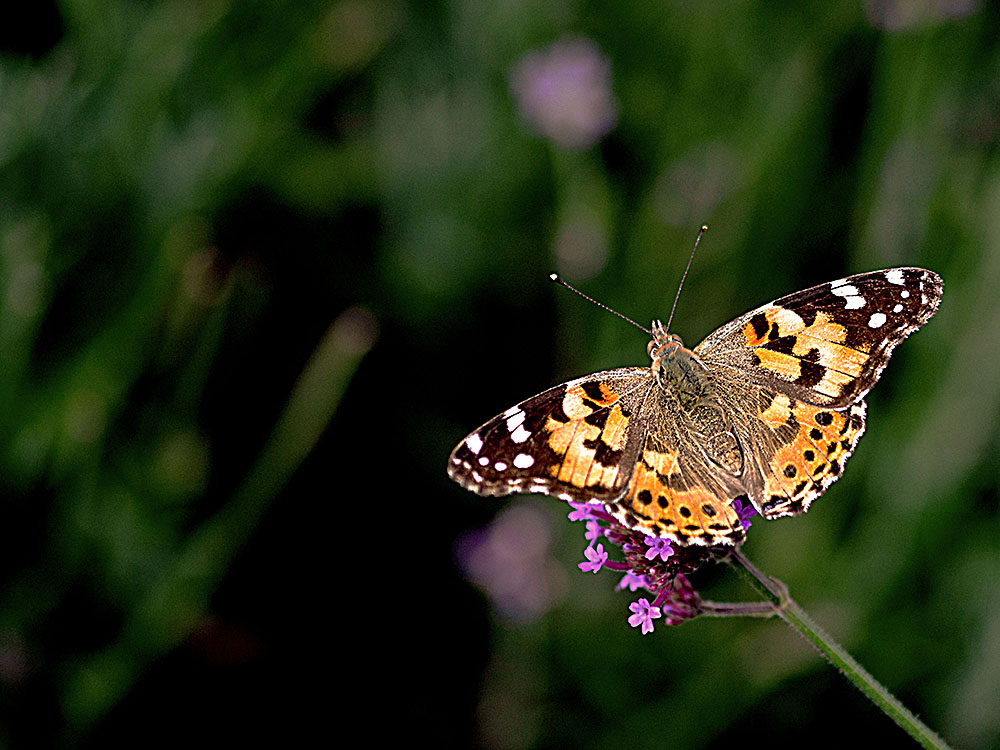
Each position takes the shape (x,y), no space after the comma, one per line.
(766,411)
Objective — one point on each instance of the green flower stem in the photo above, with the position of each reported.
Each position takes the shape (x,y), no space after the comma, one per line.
(788,610)
(738,609)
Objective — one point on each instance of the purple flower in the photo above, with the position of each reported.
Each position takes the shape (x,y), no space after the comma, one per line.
(564,93)
(512,561)
(595,559)
(658,545)
(581,512)
(654,564)
(643,616)
(633,581)
(594,530)
(744,513)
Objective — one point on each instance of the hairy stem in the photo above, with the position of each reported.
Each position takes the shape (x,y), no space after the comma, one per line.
(738,609)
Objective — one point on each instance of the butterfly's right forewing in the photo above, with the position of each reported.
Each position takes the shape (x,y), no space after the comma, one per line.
(826,345)
(576,441)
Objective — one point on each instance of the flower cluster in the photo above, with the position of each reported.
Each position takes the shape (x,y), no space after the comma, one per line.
(651,563)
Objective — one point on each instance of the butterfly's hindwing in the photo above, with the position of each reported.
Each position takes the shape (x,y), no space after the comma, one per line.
(674,493)
(800,449)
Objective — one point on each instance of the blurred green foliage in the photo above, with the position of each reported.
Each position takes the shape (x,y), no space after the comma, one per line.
(263,264)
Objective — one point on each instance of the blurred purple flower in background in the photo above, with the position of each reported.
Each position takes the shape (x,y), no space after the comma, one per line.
(511,561)
(632,581)
(564,93)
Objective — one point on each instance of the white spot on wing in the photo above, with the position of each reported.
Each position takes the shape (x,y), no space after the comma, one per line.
(500,466)
(474,443)
(845,291)
(897,309)
(877,320)
(852,297)
(483,460)
(895,276)
(514,421)
(904,294)
(520,434)
(523,461)
(512,411)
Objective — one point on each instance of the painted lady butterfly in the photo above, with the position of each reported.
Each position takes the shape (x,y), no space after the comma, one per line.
(767,409)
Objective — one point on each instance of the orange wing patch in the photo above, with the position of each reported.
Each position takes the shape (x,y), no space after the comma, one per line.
(584,399)
(662,503)
(778,412)
(814,356)
(592,441)
(775,322)
(801,470)
(785,366)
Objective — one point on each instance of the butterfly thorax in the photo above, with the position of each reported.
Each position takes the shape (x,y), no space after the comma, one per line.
(684,379)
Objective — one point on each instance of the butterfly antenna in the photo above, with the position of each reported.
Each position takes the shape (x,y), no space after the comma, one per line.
(555,277)
(680,286)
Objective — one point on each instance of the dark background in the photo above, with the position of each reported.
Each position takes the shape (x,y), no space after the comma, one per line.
(263,264)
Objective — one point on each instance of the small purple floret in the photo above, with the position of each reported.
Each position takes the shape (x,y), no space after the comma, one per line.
(595,559)
(633,581)
(594,531)
(658,546)
(643,616)
(581,512)
(744,513)
(679,601)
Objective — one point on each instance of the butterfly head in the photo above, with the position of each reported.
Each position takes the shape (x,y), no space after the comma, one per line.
(663,344)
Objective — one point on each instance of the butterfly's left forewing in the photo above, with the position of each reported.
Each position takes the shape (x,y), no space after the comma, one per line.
(577,441)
